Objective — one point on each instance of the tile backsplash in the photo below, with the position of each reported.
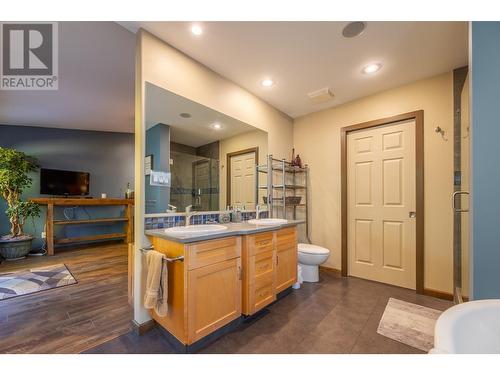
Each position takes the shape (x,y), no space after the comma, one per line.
(180,220)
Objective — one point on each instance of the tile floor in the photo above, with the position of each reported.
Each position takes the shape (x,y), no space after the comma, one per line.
(337,315)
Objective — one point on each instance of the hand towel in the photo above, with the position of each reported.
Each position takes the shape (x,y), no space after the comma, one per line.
(156,295)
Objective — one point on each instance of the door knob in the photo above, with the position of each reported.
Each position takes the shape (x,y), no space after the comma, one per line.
(412,214)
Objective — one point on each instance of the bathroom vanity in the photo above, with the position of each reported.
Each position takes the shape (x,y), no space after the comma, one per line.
(223,277)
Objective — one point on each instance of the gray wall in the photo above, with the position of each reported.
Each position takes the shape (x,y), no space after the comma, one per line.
(108,157)
(485,160)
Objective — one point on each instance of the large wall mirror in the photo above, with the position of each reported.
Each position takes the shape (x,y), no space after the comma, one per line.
(196,156)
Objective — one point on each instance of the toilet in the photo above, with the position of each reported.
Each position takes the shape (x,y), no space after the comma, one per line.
(310,257)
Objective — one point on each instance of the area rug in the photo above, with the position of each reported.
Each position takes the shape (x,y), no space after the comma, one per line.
(409,324)
(15,284)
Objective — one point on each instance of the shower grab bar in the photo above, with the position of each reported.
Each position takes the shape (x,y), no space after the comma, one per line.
(454,201)
(180,258)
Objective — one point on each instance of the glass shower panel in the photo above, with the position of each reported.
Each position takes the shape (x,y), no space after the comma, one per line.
(195,181)
(465,165)
(460,198)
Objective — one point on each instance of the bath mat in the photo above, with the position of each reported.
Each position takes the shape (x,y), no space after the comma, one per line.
(15,284)
(409,324)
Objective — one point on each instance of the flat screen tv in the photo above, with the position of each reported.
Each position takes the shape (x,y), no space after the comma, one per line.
(66,183)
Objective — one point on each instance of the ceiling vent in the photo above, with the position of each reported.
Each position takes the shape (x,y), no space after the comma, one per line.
(321,96)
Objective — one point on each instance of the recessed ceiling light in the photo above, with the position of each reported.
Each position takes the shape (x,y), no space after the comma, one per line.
(217,126)
(372,68)
(185,115)
(196,30)
(268,82)
(354,29)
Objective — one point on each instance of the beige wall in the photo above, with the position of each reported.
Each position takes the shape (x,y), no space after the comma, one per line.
(168,68)
(256,138)
(317,139)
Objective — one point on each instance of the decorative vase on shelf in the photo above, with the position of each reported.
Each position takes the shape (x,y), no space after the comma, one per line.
(297,162)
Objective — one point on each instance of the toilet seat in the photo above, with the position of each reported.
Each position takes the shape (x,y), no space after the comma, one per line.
(307,248)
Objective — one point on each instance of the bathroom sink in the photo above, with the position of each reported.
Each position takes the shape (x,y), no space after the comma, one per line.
(267,221)
(197,229)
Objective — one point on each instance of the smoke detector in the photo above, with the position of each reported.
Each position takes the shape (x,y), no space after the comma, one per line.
(320,96)
(353,29)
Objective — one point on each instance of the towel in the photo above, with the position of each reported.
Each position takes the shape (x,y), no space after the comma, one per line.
(156,296)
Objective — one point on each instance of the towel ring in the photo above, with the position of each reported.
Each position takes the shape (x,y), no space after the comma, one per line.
(180,258)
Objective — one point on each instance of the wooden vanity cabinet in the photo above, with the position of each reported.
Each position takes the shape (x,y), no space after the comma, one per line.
(269,267)
(286,258)
(221,279)
(204,291)
(259,259)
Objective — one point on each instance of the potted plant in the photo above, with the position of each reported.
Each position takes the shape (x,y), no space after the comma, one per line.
(15,167)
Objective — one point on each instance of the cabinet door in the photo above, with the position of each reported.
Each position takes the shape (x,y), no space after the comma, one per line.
(214,297)
(286,258)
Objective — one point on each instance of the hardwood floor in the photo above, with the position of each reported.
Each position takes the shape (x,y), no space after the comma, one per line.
(73,318)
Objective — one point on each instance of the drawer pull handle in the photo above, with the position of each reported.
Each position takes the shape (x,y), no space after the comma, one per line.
(263,243)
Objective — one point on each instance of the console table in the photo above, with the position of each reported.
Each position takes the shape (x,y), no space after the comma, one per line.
(127,234)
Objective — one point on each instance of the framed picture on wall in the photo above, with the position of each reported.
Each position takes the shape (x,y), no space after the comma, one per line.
(148,164)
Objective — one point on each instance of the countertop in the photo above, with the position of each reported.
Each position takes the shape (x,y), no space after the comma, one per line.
(234,229)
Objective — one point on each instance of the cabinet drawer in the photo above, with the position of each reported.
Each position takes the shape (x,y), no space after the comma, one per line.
(263,290)
(205,253)
(260,243)
(286,238)
(264,263)
(264,296)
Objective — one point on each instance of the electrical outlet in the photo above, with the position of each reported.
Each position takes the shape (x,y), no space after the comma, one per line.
(44,235)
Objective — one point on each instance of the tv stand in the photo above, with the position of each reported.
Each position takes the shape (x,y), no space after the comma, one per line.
(127,234)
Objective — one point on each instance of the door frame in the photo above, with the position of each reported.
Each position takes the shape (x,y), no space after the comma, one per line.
(229,155)
(418,116)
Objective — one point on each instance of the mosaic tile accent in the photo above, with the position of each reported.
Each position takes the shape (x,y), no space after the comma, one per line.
(179,220)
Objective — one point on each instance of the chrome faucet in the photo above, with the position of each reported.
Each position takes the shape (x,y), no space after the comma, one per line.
(189,213)
(258,211)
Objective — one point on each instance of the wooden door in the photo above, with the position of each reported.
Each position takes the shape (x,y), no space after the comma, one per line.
(214,297)
(381,202)
(242,180)
(286,258)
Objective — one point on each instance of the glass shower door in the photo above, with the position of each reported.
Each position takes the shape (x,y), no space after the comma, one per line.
(460,199)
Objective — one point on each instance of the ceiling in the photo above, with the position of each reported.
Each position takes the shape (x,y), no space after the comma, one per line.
(164,107)
(96,65)
(302,57)
(96,83)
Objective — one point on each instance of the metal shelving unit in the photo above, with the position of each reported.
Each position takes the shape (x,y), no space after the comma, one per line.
(283,178)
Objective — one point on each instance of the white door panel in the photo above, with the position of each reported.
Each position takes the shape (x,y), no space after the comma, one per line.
(380,196)
(242,182)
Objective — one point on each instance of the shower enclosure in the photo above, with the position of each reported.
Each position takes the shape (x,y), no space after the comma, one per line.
(460,198)
(195,181)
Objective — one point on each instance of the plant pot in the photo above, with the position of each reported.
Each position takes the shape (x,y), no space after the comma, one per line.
(15,248)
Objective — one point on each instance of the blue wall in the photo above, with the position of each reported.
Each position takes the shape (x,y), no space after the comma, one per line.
(158,145)
(485,159)
(108,157)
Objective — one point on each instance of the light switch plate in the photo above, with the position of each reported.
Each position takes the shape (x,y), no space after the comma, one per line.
(158,178)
